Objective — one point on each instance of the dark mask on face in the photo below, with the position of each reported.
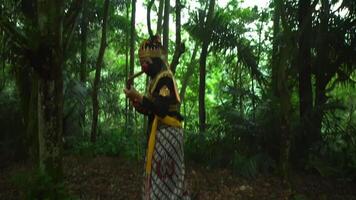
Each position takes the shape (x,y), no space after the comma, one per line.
(152,69)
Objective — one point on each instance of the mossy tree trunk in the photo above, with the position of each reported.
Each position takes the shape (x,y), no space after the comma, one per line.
(50,87)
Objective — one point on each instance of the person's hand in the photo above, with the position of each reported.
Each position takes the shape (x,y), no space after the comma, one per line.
(138,107)
(133,94)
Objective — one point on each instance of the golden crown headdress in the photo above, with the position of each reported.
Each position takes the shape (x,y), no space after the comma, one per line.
(152,48)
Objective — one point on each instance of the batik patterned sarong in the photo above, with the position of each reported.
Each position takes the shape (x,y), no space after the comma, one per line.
(166,180)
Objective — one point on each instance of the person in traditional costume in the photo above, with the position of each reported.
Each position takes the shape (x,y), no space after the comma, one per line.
(164,163)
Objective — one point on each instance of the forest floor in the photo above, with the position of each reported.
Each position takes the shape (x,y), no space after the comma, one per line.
(118,178)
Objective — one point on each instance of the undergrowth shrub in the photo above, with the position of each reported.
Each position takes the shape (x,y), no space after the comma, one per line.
(336,154)
(251,166)
(110,143)
(36,184)
(12,126)
(219,150)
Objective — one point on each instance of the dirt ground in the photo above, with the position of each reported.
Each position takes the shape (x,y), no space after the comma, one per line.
(118,178)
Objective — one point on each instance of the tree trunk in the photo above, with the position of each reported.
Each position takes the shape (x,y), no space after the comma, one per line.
(280,86)
(84,42)
(304,69)
(132,58)
(32,122)
(50,127)
(275,46)
(189,73)
(285,108)
(150,4)
(166,25)
(2,58)
(179,46)
(132,39)
(253,100)
(46,57)
(127,66)
(83,58)
(50,88)
(234,78)
(202,63)
(322,65)
(160,17)
(239,68)
(26,84)
(99,64)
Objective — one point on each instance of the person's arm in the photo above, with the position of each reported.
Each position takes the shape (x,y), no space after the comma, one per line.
(163,96)
(139,108)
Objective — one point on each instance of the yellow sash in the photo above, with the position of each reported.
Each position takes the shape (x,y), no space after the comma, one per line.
(171,121)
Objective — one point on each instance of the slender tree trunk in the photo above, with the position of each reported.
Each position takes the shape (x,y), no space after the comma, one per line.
(322,65)
(150,4)
(166,25)
(202,63)
(202,75)
(99,64)
(132,38)
(189,73)
(234,78)
(280,87)
(285,105)
(127,65)
(160,17)
(239,68)
(83,59)
(253,100)
(132,57)
(284,113)
(2,58)
(275,52)
(304,68)
(304,58)
(179,46)
(84,42)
